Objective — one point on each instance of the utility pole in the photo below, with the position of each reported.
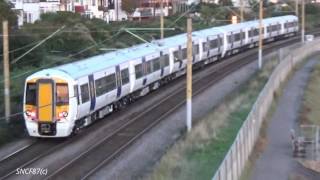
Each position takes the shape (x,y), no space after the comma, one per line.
(303,21)
(117,9)
(161,19)
(260,33)
(189,74)
(241,10)
(297,8)
(6,71)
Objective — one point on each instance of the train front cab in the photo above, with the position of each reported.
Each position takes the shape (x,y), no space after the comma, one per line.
(46,107)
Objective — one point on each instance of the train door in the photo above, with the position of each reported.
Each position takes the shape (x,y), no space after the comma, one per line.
(92,93)
(270,30)
(84,107)
(144,70)
(45,100)
(241,38)
(231,40)
(219,44)
(161,61)
(118,81)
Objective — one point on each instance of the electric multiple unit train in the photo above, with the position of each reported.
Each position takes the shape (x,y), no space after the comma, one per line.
(59,101)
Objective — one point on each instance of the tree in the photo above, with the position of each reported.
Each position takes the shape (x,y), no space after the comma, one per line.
(226,3)
(6,13)
(206,13)
(129,6)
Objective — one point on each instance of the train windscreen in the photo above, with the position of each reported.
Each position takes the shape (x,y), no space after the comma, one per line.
(62,95)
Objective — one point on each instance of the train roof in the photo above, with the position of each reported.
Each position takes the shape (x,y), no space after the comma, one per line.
(99,62)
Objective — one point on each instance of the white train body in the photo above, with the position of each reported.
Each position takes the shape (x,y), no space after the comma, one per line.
(60,100)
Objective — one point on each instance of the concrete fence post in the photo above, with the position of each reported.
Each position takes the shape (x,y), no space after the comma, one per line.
(239,168)
(247,140)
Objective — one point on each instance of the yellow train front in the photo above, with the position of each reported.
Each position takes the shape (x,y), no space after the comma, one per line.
(47,104)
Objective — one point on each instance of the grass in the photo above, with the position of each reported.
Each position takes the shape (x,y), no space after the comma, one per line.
(311,102)
(199,153)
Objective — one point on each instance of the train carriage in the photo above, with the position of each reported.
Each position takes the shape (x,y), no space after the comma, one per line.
(60,100)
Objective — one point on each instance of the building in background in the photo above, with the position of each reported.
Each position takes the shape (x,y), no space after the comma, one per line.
(30,10)
(109,10)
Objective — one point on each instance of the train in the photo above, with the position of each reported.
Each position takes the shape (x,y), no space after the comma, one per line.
(59,101)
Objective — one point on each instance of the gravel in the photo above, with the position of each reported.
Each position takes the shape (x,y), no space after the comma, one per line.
(141,157)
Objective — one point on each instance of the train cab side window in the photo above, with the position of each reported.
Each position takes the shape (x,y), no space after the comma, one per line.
(138,71)
(62,93)
(84,93)
(125,76)
(31,93)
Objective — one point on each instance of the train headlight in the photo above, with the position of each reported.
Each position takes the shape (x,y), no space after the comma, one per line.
(63,114)
(31,114)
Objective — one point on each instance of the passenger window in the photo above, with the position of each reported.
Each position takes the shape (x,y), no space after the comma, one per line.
(111,82)
(229,39)
(125,76)
(184,53)
(243,35)
(213,44)
(156,64)
(84,93)
(164,61)
(195,49)
(204,47)
(237,37)
(220,41)
(148,67)
(251,33)
(269,29)
(138,71)
(176,56)
(101,86)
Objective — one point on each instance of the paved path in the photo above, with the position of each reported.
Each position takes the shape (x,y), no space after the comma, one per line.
(276,162)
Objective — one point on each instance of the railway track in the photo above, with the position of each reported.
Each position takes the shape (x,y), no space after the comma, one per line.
(105,150)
